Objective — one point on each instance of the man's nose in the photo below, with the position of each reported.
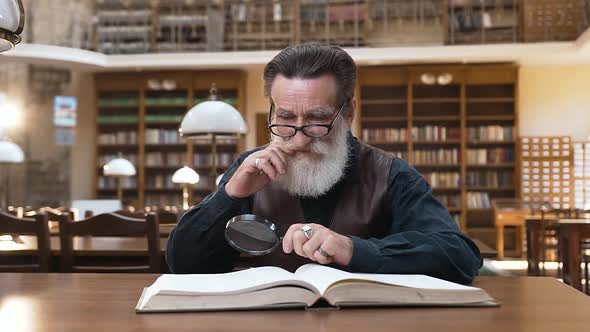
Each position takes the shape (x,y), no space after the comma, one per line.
(300,140)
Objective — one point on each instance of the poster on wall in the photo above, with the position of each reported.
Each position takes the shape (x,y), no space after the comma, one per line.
(64,119)
(65,109)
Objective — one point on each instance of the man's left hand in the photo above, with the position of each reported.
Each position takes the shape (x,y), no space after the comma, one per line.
(323,246)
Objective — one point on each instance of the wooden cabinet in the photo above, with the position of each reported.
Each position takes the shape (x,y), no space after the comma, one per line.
(139,116)
(456,124)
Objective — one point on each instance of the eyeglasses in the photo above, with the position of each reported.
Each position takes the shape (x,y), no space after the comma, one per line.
(313,130)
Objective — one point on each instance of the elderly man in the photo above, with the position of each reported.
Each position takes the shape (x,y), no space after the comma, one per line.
(337,200)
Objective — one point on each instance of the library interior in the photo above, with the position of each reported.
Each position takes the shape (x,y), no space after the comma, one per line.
(133,133)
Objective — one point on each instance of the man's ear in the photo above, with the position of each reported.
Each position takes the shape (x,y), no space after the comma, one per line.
(350,116)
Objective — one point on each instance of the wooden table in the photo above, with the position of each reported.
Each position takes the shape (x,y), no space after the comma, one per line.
(571,232)
(106,302)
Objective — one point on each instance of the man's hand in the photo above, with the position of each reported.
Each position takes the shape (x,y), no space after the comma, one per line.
(323,246)
(258,170)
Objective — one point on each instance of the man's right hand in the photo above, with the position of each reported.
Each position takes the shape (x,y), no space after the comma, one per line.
(258,170)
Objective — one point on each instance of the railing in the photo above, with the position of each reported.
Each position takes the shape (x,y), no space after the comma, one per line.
(140,26)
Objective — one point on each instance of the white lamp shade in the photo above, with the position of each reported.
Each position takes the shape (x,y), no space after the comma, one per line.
(212,117)
(11,23)
(185,175)
(11,153)
(119,167)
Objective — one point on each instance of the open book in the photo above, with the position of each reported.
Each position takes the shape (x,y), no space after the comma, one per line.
(273,287)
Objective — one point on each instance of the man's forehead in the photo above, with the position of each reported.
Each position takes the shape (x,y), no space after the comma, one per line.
(321,89)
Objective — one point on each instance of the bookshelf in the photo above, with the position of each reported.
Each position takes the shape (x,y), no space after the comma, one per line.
(260,25)
(485,21)
(139,115)
(460,135)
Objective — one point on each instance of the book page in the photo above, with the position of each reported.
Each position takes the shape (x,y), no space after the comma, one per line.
(233,282)
(322,277)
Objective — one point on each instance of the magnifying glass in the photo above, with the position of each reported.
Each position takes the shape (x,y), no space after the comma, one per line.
(252,234)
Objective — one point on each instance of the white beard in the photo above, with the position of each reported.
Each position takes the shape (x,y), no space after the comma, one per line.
(315,175)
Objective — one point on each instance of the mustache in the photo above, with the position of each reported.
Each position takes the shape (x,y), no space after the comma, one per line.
(321,146)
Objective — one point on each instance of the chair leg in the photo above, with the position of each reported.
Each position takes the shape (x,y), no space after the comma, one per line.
(586,273)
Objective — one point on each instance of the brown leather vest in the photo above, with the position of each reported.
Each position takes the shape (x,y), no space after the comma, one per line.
(362,209)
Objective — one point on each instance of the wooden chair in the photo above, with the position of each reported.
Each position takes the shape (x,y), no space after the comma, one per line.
(131,214)
(510,212)
(110,225)
(167,217)
(38,226)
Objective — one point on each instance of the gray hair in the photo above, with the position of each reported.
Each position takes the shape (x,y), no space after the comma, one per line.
(312,60)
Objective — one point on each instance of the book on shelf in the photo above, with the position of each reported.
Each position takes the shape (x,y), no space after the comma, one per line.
(478,200)
(435,133)
(490,178)
(273,288)
(490,156)
(384,135)
(444,156)
(443,179)
(162,136)
(118,119)
(120,137)
(490,133)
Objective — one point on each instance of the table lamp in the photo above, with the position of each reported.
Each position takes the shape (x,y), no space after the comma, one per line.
(186,176)
(216,118)
(12,22)
(10,153)
(119,168)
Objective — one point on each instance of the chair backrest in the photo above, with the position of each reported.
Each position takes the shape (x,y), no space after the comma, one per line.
(131,214)
(167,217)
(38,226)
(109,225)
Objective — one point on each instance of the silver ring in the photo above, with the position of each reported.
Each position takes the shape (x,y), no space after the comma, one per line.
(256,161)
(307,231)
(323,252)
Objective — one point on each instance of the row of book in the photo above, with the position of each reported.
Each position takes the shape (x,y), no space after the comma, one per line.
(384,134)
(164,118)
(435,133)
(134,101)
(118,119)
(490,156)
(439,134)
(205,159)
(490,178)
(110,183)
(153,101)
(490,133)
(103,159)
(478,200)
(165,158)
(450,201)
(442,156)
(160,181)
(162,136)
(443,179)
(121,137)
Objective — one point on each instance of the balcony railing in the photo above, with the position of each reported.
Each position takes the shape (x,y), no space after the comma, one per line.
(141,26)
